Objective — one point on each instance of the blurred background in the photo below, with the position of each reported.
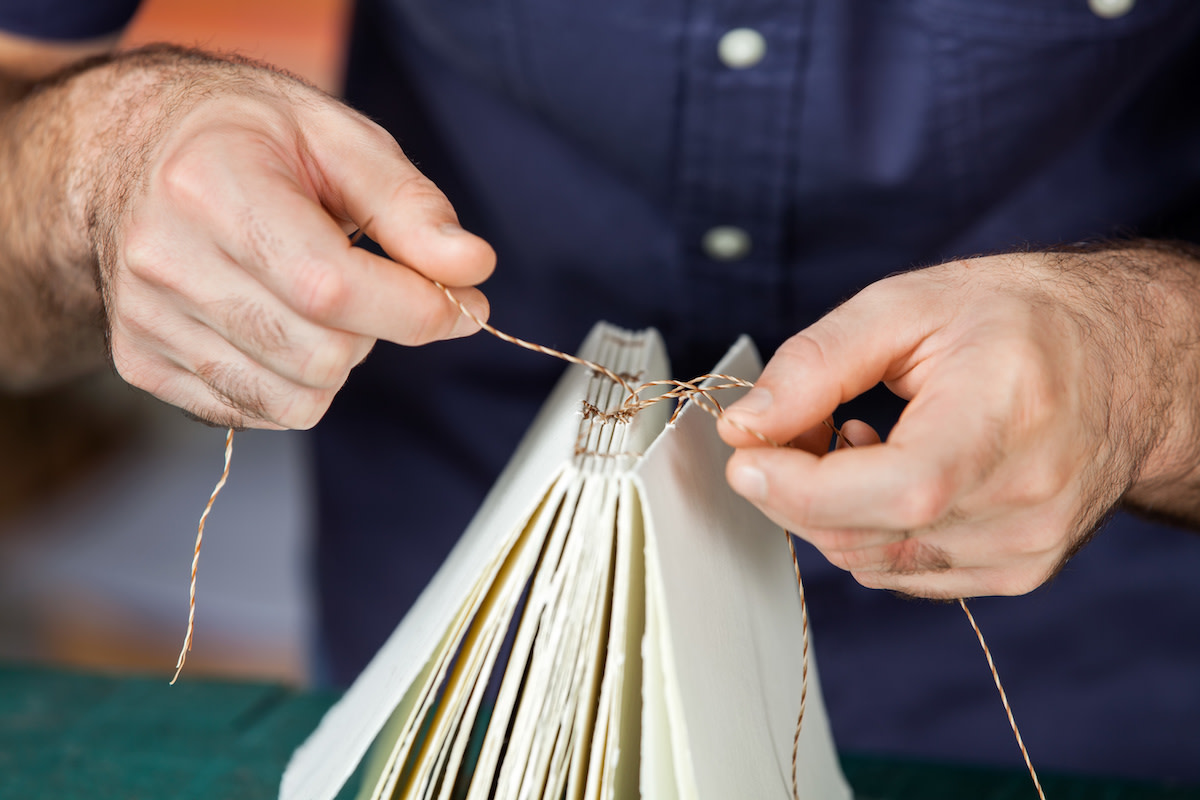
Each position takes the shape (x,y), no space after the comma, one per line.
(101,487)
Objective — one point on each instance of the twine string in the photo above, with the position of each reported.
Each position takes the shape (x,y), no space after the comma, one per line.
(803,663)
(683,392)
(537,348)
(1012,722)
(191,623)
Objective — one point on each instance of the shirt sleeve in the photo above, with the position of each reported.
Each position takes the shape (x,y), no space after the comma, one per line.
(65,20)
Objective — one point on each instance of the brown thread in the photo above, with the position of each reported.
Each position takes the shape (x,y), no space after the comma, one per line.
(191,623)
(1012,722)
(583,452)
(537,348)
(684,391)
(803,661)
(689,390)
(593,412)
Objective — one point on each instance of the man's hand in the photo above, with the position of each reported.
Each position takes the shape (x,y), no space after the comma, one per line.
(1043,390)
(215,199)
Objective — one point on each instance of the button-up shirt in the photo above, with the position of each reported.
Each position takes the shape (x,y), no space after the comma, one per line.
(713,167)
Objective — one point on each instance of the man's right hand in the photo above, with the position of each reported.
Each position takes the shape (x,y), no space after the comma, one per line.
(217,201)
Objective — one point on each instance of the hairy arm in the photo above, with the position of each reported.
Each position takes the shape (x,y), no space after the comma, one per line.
(194,211)
(1161,403)
(50,310)
(1044,389)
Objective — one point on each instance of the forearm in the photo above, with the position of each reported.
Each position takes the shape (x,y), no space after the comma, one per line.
(1156,403)
(49,306)
(73,148)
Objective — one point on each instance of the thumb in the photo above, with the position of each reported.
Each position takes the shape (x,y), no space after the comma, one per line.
(368,179)
(848,351)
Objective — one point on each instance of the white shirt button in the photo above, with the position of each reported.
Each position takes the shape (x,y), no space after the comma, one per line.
(1110,9)
(726,243)
(742,48)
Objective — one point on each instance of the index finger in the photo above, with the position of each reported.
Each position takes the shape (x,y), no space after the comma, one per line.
(868,339)
(271,226)
(941,447)
(367,178)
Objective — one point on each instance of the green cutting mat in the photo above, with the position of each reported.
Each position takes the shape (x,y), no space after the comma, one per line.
(66,736)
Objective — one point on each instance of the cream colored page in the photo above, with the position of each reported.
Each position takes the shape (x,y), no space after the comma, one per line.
(569,766)
(543,587)
(549,515)
(459,691)
(539,719)
(574,624)
(657,758)
(381,761)
(405,726)
(320,767)
(730,618)
(616,740)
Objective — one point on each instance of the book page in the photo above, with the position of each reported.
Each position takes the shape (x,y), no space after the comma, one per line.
(320,767)
(614,622)
(429,742)
(721,577)
(616,741)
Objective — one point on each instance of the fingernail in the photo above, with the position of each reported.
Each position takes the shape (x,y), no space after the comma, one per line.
(749,482)
(465,325)
(756,401)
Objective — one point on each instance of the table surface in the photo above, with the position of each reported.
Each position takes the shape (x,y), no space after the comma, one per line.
(67,735)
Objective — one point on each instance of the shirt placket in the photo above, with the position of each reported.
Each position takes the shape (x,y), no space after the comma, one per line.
(742,64)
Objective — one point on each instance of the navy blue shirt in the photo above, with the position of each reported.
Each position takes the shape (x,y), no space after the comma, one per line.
(596,144)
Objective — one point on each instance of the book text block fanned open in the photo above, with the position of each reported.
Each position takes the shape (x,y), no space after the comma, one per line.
(614,623)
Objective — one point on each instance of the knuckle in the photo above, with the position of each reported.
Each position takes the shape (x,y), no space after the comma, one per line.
(871,579)
(417,190)
(238,389)
(1036,485)
(329,362)
(305,408)
(803,348)
(185,175)
(913,556)
(832,541)
(924,502)
(799,507)
(321,292)
(134,363)
(142,327)
(145,256)
(132,368)
(138,327)
(852,560)
(249,324)
(1012,583)
(368,130)
(1029,380)
(430,322)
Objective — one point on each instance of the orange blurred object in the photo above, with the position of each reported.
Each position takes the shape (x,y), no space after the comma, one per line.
(306,37)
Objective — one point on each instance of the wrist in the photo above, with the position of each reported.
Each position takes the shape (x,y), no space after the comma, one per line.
(1151,288)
